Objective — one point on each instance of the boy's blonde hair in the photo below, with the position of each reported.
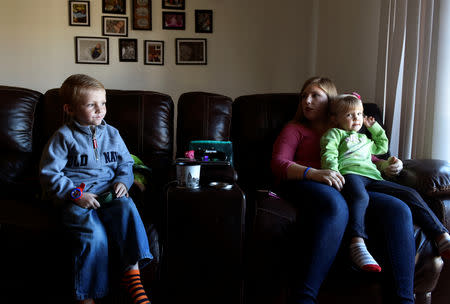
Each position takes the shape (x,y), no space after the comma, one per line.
(324,84)
(342,103)
(75,86)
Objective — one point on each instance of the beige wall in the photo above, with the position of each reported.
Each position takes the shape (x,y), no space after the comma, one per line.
(257,46)
(348,44)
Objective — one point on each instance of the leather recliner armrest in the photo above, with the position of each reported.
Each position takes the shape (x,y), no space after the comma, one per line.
(430,177)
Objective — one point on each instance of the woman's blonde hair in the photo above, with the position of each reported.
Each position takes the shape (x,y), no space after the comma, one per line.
(75,86)
(325,84)
(342,103)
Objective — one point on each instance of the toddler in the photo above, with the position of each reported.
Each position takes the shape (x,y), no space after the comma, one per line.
(348,152)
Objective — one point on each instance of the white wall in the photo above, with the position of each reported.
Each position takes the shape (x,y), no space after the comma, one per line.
(257,46)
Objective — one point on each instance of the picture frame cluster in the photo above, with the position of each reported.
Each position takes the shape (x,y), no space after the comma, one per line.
(115,23)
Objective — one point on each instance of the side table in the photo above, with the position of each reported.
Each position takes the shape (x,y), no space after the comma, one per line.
(204,245)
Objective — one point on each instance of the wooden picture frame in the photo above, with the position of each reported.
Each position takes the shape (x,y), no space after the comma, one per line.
(203,21)
(128,50)
(191,51)
(79,13)
(174,4)
(114,7)
(92,50)
(142,15)
(114,26)
(153,52)
(173,20)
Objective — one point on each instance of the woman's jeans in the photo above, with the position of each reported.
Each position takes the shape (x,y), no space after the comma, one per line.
(323,214)
(117,222)
(355,193)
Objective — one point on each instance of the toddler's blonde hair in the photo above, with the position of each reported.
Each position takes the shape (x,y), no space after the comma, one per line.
(342,103)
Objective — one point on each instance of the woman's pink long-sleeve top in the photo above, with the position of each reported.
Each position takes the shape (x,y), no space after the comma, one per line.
(295,144)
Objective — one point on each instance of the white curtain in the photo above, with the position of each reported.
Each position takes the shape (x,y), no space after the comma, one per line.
(406,76)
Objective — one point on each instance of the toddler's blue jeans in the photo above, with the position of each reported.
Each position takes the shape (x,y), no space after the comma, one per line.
(91,231)
(355,193)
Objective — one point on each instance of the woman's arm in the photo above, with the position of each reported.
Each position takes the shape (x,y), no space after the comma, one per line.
(283,154)
(285,168)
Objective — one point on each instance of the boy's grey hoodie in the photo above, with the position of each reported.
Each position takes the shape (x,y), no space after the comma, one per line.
(70,158)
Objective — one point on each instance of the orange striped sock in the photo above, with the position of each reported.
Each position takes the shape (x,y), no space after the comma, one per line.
(132,280)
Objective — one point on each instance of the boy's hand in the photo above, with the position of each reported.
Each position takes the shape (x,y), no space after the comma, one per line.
(120,190)
(87,201)
(369,121)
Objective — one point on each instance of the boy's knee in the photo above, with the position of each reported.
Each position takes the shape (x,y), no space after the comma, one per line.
(125,203)
(99,239)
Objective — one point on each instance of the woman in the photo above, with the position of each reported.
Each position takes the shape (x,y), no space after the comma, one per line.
(296,164)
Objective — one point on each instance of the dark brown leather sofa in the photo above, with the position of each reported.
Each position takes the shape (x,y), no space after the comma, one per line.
(32,257)
(256,122)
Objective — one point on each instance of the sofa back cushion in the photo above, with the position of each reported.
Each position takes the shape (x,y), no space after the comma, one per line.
(143,118)
(257,120)
(202,116)
(17,118)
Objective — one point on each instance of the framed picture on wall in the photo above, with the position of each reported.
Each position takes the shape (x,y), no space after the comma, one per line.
(93,50)
(79,13)
(128,50)
(173,21)
(154,52)
(114,6)
(142,15)
(115,26)
(203,21)
(173,4)
(190,51)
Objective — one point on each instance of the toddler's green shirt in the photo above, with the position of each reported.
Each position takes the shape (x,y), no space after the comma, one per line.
(350,152)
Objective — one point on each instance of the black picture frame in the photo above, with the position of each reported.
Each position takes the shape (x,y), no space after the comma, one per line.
(153,52)
(203,21)
(191,51)
(128,50)
(114,7)
(79,13)
(174,4)
(114,26)
(91,50)
(173,20)
(142,15)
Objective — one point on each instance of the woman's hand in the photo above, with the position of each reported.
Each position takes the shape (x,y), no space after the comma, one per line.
(120,190)
(391,167)
(87,201)
(326,176)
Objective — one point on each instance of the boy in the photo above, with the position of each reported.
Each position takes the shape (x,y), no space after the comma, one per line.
(349,152)
(87,157)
